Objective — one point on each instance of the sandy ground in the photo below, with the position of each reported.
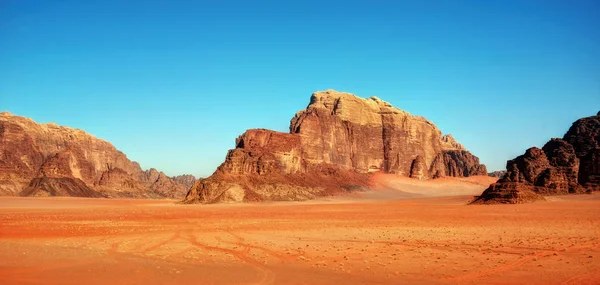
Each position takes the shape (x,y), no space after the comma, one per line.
(391,186)
(434,240)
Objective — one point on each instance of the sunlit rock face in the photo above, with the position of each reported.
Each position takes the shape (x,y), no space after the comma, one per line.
(332,146)
(52,160)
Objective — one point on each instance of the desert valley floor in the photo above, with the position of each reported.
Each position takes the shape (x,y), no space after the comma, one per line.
(408,240)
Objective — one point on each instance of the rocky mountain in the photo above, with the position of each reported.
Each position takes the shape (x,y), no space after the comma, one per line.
(498,173)
(186,180)
(561,166)
(331,148)
(51,160)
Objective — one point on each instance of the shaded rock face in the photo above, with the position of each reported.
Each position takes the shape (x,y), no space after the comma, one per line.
(589,170)
(456,163)
(335,142)
(47,159)
(584,135)
(46,186)
(418,169)
(562,166)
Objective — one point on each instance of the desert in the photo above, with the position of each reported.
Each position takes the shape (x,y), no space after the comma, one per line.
(354,240)
(323,204)
(358,192)
(299,142)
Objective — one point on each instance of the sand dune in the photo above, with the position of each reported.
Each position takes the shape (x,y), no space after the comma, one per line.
(395,186)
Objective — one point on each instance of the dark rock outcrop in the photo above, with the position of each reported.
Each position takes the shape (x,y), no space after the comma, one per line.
(456,163)
(331,148)
(589,170)
(47,159)
(562,166)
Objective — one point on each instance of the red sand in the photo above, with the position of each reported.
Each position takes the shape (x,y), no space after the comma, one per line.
(417,241)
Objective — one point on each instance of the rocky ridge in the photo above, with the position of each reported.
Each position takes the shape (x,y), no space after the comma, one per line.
(331,148)
(186,180)
(498,173)
(562,166)
(52,160)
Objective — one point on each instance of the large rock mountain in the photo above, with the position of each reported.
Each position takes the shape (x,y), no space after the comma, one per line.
(51,160)
(561,166)
(332,146)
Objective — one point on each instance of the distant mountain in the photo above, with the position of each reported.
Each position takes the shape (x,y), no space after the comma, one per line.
(498,173)
(563,166)
(187,180)
(52,160)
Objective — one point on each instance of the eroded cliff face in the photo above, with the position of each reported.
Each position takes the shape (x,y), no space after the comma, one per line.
(51,160)
(561,166)
(332,147)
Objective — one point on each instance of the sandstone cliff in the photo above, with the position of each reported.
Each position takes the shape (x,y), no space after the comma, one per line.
(332,146)
(562,166)
(52,160)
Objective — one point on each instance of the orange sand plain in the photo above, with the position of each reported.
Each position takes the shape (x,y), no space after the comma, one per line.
(433,240)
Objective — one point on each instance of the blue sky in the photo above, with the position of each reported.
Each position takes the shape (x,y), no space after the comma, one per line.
(173,83)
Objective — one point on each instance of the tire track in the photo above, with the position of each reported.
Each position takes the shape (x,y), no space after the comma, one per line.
(584,278)
(520,262)
(240,241)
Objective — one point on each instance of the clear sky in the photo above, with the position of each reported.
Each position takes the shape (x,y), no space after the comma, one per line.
(173,83)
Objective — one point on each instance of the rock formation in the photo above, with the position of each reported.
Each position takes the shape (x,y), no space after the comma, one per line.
(562,166)
(332,146)
(498,173)
(186,180)
(52,160)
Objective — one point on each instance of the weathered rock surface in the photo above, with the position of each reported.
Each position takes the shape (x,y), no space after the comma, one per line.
(52,160)
(562,166)
(332,146)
